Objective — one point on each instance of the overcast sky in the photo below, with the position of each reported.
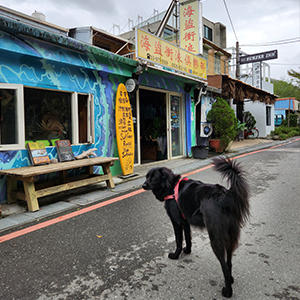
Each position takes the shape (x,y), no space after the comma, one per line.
(255,21)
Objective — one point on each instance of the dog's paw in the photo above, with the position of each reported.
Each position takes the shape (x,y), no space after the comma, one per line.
(173,255)
(227,292)
(187,250)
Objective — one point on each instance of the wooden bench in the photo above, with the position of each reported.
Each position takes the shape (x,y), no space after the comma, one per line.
(32,191)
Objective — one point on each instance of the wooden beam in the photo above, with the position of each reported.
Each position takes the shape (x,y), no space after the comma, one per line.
(31,196)
(11,186)
(71,185)
(106,170)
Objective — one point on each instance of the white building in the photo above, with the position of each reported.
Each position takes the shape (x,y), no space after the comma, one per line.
(258,75)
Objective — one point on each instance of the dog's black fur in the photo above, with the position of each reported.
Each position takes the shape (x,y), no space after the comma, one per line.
(222,211)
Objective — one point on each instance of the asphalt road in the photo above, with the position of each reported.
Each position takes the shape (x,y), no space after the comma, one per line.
(120,251)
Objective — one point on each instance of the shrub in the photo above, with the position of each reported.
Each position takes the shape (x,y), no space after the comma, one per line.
(249,120)
(223,120)
(293,120)
(285,132)
(283,136)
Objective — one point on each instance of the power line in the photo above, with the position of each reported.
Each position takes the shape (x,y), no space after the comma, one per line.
(230,19)
(280,42)
(283,64)
(284,40)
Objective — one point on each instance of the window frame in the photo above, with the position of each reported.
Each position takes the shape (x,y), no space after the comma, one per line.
(20,116)
(268,115)
(75,119)
(207,31)
(20,122)
(217,64)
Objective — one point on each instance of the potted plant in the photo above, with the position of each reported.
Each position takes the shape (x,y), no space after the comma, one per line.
(241,127)
(250,123)
(224,123)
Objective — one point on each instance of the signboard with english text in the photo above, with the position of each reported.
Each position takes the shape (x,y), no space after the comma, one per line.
(247,59)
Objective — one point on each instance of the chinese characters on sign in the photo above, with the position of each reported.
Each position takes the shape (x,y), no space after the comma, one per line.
(156,50)
(124,130)
(256,75)
(191,26)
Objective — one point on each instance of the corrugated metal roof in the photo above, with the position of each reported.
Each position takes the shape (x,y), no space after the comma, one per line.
(13,26)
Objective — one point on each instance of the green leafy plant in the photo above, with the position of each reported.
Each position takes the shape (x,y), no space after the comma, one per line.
(293,120)
(241,126)
(249,120)
(223,120)
(284,132)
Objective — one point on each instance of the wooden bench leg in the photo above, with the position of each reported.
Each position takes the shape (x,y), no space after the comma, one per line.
(63,176)
(30,196)
(90,170)
(106,170)
(11,186)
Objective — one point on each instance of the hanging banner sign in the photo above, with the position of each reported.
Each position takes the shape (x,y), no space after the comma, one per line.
(124,130)
(153,49)
(247,59)
(191,26)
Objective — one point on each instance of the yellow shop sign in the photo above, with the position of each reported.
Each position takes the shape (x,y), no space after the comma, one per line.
(153,49)
(124,130)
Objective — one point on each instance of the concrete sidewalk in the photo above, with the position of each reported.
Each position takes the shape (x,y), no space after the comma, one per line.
(14,215)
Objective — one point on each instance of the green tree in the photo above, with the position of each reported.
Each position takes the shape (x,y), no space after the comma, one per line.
(295,75)
(223,120)
(284,89)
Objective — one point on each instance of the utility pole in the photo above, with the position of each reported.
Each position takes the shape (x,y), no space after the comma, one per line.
(237,61)
(239,104)
(288,118)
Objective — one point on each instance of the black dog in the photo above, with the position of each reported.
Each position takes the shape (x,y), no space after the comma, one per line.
(222,211)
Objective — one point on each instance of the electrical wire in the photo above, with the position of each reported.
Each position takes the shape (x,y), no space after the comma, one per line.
(283,64)
(279,42)
(230,19)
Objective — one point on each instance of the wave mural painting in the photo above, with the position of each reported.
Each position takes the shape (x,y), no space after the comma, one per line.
(36,64)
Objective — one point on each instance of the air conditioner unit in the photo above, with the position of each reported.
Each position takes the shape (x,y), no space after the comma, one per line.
(205,129)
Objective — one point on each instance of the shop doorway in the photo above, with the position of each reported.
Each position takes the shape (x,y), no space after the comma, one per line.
(153,126)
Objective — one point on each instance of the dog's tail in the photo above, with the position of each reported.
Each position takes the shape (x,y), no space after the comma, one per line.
(235,176)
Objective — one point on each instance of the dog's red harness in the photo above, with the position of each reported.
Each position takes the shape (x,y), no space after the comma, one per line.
(176,193)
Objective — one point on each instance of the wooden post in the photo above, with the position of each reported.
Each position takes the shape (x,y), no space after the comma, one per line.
(91,170)
(63,175)
(30,195)
(11,186)
(106,170)
(237,61)
(289,113)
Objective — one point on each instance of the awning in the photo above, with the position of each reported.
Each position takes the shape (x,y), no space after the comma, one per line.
(238,90)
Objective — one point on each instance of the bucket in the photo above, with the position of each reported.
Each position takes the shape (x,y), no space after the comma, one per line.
(200,152)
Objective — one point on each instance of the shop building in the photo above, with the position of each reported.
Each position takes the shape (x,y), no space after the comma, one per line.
(257,75)
(284,106)
(54,87)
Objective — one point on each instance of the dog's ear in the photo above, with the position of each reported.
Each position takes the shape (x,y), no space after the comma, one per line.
(163,172)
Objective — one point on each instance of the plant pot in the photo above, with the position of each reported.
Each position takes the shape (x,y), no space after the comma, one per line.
(216,145)
(200,152)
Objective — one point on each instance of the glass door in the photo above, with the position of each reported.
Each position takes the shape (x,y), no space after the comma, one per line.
(176,126)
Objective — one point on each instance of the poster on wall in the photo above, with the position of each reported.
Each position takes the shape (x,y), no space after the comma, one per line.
(124,130)
(64,150)
(37,153)
(205,127)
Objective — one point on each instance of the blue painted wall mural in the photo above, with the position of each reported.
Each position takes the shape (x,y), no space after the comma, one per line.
(40,64)
(35,63)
